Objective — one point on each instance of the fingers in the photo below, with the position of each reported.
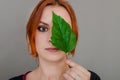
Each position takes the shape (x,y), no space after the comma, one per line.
(73,64)
(68,77)
(76,72)
(71,75)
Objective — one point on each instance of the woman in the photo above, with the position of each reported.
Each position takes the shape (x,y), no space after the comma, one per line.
(53,63)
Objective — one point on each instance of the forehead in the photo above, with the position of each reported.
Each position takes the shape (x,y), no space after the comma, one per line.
(59,10)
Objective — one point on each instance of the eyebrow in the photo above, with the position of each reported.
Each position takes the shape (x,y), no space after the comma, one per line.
(44,23)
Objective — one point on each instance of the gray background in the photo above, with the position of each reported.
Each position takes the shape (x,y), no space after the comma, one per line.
(99,43)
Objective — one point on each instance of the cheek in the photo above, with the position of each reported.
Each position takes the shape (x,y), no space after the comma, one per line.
(40,39)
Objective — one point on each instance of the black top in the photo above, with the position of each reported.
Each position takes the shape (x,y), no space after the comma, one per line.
(94,76)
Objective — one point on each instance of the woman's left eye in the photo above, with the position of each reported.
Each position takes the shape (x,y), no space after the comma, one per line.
(42,28)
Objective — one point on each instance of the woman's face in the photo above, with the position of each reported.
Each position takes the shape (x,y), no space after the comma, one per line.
(44,47)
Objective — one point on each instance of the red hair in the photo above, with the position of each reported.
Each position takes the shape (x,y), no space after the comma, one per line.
(36,16)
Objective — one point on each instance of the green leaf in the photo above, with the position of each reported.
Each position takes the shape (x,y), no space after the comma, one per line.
(63,37)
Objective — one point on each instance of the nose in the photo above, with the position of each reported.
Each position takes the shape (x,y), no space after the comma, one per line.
(50,35)
(49,40)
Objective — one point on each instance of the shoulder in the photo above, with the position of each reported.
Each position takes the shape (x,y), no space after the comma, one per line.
(20,77)
(94,76)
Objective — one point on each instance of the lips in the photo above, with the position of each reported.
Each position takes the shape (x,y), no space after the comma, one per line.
(51,49)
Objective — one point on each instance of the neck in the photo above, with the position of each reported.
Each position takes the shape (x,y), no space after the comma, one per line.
(52,70)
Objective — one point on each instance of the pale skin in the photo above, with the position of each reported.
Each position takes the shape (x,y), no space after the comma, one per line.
(53,64)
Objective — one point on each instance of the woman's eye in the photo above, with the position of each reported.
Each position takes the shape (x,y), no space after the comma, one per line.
(42,28)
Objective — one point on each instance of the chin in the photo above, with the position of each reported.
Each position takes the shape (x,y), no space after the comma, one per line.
(57,59)
(53,57)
